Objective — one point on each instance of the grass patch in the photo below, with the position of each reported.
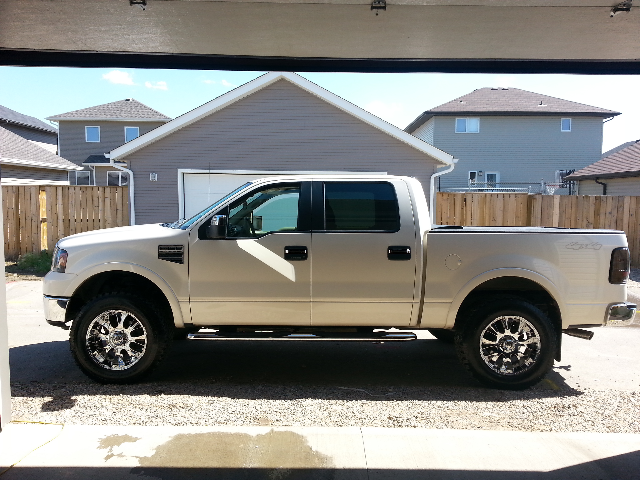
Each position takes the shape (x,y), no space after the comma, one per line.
(32,263)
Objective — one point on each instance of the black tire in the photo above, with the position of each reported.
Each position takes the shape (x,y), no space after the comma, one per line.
(507,343)
(118,338)
(442,334)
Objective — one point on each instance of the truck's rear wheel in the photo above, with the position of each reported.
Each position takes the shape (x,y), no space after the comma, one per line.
(507,343)
(118,338)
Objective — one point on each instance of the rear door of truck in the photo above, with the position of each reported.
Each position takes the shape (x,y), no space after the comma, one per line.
(363,253)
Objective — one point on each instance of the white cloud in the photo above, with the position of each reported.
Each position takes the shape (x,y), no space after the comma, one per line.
(157,86)
(119,77)
(224,83)
(391,112)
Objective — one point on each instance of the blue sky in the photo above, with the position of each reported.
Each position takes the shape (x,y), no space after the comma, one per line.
(397,98)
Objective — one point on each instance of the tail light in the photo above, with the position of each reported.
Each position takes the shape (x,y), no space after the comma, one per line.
(620,265)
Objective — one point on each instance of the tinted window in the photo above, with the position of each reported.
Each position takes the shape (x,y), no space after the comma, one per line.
(361,206)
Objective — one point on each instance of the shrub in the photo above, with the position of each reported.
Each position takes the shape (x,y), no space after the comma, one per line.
(35,262)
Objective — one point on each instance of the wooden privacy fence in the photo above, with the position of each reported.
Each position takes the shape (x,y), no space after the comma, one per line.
(521,209)
(36,217)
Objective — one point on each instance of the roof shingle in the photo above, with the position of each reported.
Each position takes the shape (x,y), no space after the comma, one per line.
(17,150)
(128,109)
(17,118)
(509,101)
(621,163)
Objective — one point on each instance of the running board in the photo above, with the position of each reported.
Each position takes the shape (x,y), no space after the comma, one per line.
(329,337)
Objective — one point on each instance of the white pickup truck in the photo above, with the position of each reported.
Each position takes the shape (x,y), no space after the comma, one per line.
(335,258)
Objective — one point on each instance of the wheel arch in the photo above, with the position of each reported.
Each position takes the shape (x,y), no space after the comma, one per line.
(522,283)
(114,277)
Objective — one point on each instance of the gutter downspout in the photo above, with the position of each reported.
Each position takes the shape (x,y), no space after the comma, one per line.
(604,186)
(132,207)
(432,190)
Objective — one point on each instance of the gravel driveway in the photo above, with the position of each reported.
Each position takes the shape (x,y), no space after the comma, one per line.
(595,388)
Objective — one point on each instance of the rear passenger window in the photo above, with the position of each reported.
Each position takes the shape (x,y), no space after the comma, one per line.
(361,206)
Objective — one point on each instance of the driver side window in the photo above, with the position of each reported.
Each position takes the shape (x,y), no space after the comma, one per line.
(271,209)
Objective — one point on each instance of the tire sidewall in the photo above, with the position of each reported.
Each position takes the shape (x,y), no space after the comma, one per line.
(151,321)
(469,344)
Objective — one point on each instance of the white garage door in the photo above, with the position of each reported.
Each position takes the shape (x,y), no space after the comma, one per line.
(202,189)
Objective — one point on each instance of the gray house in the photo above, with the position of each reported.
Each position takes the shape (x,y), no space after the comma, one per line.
(85,135)
(29,128)
(618,173)
(278,123)
(26,163)
(512,139)
(28,151)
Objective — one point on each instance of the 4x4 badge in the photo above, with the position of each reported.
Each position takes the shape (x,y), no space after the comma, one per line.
(584,246)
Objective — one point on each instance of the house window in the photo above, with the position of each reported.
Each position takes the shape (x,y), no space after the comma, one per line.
(492,179)
(467,125)
(565,124)
(117,179)
(473,177)
(92,134)
(79,178)
(131,133)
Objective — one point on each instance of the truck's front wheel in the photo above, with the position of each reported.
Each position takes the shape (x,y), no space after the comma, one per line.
(507,343)
(118,338)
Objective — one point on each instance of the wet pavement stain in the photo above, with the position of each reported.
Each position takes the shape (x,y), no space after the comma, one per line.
(112,441)
(276,455)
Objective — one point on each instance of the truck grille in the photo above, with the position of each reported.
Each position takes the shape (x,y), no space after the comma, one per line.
(171,253)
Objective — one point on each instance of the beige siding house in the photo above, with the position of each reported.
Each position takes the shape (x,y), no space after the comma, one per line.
(278,123)
(618,173)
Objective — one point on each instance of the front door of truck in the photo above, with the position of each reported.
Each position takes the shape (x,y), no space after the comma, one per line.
(364,258)
(260,273)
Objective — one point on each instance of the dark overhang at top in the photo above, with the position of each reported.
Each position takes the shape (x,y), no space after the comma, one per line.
(523,36)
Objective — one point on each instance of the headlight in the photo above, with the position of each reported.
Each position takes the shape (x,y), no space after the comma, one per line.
(59,261)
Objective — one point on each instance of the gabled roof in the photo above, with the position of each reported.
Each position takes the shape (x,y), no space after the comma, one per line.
(15,150)
(262,82)
(128,109)
(17,118)
(509,101)
(621,163)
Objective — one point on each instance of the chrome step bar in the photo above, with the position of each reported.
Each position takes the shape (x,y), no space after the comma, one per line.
(316,337)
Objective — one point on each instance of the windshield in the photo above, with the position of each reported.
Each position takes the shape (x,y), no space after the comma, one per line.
(184,224)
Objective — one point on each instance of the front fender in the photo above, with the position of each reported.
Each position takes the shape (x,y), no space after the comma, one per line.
(464,292)
(150,275)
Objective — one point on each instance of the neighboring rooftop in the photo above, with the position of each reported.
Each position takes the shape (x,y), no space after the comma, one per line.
(128,109)
(622,163)
(17,118)
(15,150)
(509,101)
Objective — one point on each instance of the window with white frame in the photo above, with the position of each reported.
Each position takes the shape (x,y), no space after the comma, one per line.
(131,133)
(92,134)
(565,124)
(117,179)
(473,177)
(80,178)
(492,179)
(467,125)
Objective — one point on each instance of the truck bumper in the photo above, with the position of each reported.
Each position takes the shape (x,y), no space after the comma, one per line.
(55,309)
(620,314)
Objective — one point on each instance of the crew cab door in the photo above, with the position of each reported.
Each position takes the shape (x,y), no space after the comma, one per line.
(260,273)
(364,253)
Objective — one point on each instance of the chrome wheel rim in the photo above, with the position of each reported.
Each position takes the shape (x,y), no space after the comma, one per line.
(116,340)
(510,345)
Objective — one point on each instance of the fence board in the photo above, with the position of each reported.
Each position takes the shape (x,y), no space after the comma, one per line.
(506,209)
(36,217)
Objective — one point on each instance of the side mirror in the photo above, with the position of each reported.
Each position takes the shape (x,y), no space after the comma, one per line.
(218,227)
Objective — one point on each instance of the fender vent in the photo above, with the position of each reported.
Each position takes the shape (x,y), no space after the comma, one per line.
(171,253)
